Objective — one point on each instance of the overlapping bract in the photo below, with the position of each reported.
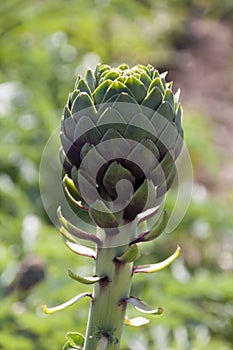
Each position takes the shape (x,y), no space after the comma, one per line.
(121,133)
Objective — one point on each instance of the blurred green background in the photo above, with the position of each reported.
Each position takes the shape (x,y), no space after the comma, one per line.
(44,45)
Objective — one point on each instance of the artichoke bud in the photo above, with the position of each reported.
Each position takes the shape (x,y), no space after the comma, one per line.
(121,134)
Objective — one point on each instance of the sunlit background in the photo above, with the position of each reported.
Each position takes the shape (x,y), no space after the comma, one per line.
(44,45)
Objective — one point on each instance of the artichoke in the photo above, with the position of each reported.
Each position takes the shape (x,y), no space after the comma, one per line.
(121,134)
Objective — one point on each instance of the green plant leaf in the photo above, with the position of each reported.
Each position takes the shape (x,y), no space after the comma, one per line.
(136,88)
(100,91)
(136,321)
(113,175)
(75,339)
(66,113)
(91,81)
(157,83)
(76,247)
(166,110)
(102,216)
(141,306)
(150,268)
(169,96)
(73,230)
(130,255)
(115,89)
(51,310)
(155,231)
(67,346)
(83,103)
(141,200)
(152,101)
(85,280)
(82,86)
(73,193)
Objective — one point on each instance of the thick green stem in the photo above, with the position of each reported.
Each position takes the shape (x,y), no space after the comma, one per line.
(108,306)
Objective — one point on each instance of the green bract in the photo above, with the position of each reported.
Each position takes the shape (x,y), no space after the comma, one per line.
(121,134)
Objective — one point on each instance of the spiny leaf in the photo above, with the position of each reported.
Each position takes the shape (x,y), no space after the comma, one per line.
(169,96)
(157,83)
(115,89)
(145,155)
(72,97)
(100,91)
(91,81)
(163,78)
(178,118)
(177,96)
(83,103)
(123,66)
(166,110)
(67,113)
(152,101)
(112,75)
(136,88)
(127,106)
(145,79)
(158,266)
(83,87)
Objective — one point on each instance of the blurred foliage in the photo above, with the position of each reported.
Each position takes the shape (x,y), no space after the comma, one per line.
(44,45)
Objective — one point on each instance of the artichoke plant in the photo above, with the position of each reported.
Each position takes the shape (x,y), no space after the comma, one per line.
(121,135)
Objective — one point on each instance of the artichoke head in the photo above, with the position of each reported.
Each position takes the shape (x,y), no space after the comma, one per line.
(121,134)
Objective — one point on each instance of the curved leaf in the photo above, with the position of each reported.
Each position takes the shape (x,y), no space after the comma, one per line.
(113,175)
(136,88)
(130,255)
(85,280)
(158,266)
(73,193)
(155,231)
(75,247)
(114,89)
(51,310)
(102,216)
(152,101)
(141,306)
(136,321)
(83,103)
(157,83)
(100,91)
(82,86)
(75,339)
(73,230)
(67,236)
(91,81)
